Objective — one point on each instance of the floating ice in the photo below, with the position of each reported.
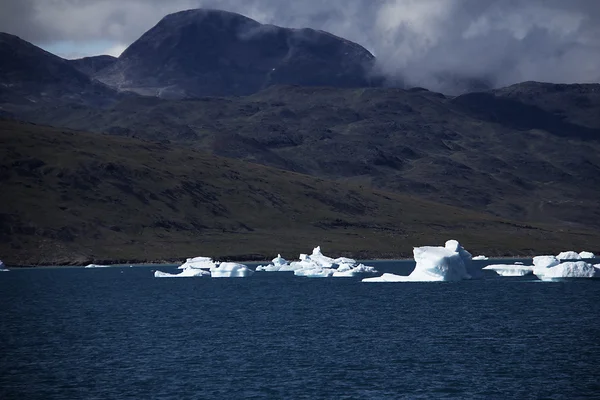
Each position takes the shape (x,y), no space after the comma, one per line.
(3,267)
(316,272)
(230,270)
(276,264)
(434,264)
(198,263)
(317,265)
(96,266)
(472,270)
(478,258)
(186,273)
(586,255)
(510,270)
(568,255)
(570,269)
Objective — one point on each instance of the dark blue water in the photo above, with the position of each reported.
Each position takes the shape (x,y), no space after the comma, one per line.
(120,333)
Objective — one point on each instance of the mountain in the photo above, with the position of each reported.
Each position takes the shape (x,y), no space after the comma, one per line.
(92,65)
(479,151)
(31,77)
(75,197)
(205,52)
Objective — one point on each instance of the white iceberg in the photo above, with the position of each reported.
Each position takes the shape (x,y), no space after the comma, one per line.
(3,267)
(480,258)
(586,255)
(186,273)
(230,270)
(276,264)
(568,255)
(317,265)
(510,270)
(96,266)
(472,270)
(434,264)
(198,263)
(316,272)
(349,270)
(569,269)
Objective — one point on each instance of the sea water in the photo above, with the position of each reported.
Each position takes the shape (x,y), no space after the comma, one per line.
(121,333)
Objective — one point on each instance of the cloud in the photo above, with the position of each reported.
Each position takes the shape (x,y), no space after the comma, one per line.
(432,43)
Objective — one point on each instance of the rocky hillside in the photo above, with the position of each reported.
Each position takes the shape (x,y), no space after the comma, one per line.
(73,197)
(479,151)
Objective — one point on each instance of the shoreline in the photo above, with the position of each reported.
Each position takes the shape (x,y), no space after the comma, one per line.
(162,263)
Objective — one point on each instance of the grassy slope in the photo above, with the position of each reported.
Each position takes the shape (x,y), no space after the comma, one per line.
(72,197)
(494,156)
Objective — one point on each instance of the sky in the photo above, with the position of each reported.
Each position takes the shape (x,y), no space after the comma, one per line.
(422,42)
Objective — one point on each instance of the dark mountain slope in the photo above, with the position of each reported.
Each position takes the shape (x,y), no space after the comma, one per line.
(209,52)
(92,65)
(413,141)
(575,103)
(76,197)
(30,77)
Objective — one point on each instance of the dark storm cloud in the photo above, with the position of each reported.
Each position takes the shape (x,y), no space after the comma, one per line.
(419,41)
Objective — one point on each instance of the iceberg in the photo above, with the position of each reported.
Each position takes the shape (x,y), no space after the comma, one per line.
(317,265)
(315,272)
(230,270)
(569,269)
(480,258)
(586,255)
(276,264)
(568,255)
(510,270)
(186,273)
(3,267)
(198,263)
(434,264)
(96,266)
(349,270)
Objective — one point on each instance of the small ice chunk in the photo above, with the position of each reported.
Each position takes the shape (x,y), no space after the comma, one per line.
(316,272)
(478,258)
(96,266)
(198,263)
(570,269)
(230,270)
(186,273)
(510,269)
(3,267)
(389,278)
(275,266)
(348,270)
(540,262)
(568,255)
(586,255)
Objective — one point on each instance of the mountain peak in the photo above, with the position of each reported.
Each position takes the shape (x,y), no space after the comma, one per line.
(204,52)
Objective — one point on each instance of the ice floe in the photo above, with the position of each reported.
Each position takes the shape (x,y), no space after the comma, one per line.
(96,266)
(586,255)
(276,264)
(549,268)
(318,265)
(510,269)
(568,255)
(479,258)
(230,270)
(198,263)
(186,273)
(434,264)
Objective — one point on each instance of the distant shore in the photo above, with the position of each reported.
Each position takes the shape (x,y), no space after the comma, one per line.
(140,263)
